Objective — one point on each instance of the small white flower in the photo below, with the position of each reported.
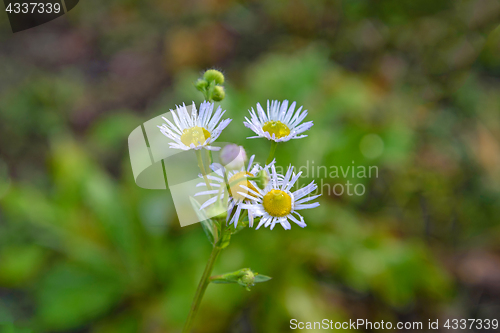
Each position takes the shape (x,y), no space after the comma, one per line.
(233,156)
(277,204)
(281,123)
(195,130)
(239,182)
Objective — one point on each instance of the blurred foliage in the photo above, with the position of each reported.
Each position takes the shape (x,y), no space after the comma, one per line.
(410,87)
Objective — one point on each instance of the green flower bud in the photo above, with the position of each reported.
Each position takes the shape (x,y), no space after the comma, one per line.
(244,277)
(201,84)
(214,75)
(218,94)
(247,279)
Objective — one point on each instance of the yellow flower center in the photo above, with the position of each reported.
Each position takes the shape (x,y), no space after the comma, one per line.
(235,183)
(277,203)
(196,135)
(277,128)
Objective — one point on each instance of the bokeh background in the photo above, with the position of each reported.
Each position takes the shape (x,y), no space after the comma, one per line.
(412,87)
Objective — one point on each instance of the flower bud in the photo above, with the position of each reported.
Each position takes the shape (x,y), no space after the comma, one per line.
(244,277)
(233,156)
(261,179)
(201,84)
(214,75)
(247,278)
(218,93)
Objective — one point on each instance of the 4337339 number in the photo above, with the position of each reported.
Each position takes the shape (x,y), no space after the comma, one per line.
(33,7)
(469,324)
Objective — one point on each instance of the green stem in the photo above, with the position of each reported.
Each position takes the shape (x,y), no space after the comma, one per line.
(242,216)
(216,277)
(200,291)
(210,91)
(274,144)
(202,168)
(228,186)
(205,278)
(210,158)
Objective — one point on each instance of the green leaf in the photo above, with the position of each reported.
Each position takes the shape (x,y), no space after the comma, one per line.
(70,295)
(261,278)
(224,240)
(20,264)
(208,224)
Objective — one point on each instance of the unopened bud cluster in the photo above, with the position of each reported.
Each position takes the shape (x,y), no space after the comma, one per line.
(211,85)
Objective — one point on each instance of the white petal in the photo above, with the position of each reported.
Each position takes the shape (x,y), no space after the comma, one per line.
(300,223)
(306,199)
(208,202)
(206,193)
(307,206)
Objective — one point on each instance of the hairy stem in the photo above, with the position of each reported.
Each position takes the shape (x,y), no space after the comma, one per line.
(210,158)
(225,234)
(200,291)
(274,144)
(202,168)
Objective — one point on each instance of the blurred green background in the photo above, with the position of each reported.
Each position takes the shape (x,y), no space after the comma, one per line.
(412,87)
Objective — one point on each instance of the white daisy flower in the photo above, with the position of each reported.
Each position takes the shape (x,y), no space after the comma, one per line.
(281,123)
(195,130)
(277,204)
(238,184)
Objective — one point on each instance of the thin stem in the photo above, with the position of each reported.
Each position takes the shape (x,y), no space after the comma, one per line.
(242,216)
(216,277)
(202,286)
(274,144)
(228,186)
(210,158)
(210,90)
(202,168)
(233,211)
(221,188)
(219,194)
(205,278)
